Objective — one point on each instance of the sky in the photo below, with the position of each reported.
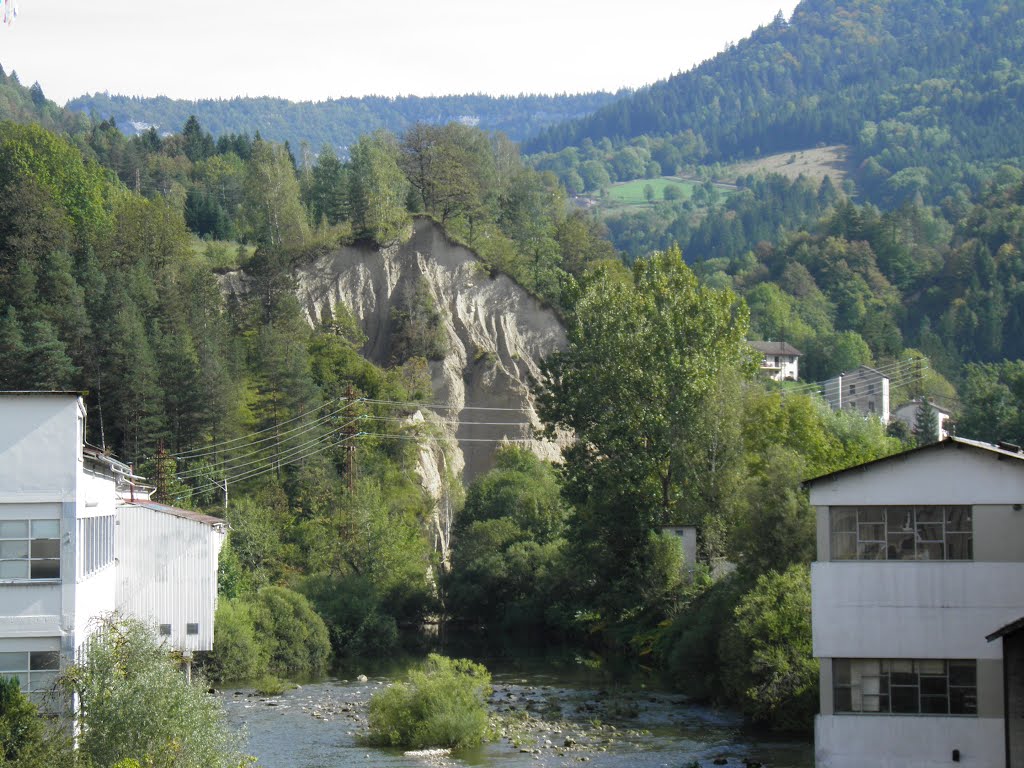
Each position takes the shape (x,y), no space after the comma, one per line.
(318,49)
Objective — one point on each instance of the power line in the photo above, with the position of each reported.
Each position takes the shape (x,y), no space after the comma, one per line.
(199,472)
(207,449)
(447,407)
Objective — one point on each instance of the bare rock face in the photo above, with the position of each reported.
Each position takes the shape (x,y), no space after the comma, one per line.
(497,333)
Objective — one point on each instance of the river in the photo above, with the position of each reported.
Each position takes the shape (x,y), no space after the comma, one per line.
(546,718)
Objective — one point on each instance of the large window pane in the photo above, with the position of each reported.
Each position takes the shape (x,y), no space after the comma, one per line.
(45,569)
(844,519)
(958,519)
(959,546)
(13,569)
(13,661)
(13,549)
(45,548)
(844,546)
(44,660)
(46,529)
(14,529)
(903,699)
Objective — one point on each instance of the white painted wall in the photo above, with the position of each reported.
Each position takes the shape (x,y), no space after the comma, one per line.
(911,609)
(893,741)
(40,447)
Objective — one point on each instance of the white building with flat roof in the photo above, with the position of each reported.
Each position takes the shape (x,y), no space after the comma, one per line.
(80,539)
(920,560)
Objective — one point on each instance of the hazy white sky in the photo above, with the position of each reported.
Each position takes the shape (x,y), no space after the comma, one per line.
(316,50)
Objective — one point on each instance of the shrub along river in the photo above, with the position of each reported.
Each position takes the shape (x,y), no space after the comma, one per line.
(552,717)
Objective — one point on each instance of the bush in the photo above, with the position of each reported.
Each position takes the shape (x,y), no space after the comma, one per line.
(134,702)
(237,654)
(294,636)
(443,704)
(26,738)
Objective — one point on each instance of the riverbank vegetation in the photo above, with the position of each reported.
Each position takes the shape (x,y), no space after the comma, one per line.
(443,703)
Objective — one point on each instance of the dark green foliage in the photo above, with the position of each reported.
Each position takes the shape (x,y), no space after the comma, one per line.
(443,704)
(926,425)
(238,652)
(993,402)
(293,635)
(338,123)
(766,658)
(417,326)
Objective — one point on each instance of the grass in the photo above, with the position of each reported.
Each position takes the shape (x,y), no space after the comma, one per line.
(632,192)
(813,162)
(221,255)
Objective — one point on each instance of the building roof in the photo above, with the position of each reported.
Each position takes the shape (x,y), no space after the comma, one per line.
(775,348)
(1001,451)
(183,513)
(1009,629)
(917,402)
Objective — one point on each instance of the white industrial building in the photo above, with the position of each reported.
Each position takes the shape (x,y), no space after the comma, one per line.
(920,564)
(80,539)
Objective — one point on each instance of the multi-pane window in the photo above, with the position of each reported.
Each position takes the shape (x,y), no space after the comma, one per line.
(905,686)
(95,543)
(29,549)
(902,533)
(36,671)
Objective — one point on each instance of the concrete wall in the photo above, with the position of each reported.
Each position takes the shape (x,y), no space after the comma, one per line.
(913,609)
(895,741)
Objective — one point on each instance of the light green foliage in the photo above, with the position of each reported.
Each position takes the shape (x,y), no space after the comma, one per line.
(767,660)
(293,635)
(273,210)
(135,703)
(443,704)
(377,190)
(671,340)
(522,488)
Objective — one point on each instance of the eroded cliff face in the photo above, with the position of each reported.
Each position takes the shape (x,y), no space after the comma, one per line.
(497,333)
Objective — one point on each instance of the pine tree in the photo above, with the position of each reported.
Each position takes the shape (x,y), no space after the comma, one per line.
(926,425)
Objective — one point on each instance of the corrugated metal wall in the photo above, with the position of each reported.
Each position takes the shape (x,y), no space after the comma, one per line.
(167,573)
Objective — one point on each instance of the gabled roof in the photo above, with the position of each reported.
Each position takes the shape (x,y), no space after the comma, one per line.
(775,348)
(1001,451)
(187,514)
(917,402)
(1009,629)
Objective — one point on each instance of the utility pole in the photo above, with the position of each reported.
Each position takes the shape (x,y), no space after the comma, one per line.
(349,433)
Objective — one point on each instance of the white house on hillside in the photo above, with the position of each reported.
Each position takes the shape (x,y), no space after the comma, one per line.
(920,561)
(780,360)
(863,390)
(79,539)
(907,413)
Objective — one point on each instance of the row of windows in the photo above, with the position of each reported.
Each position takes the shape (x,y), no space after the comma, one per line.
(905,686)
(29,549)
(902,533)
(36,671)
(95,543)
(190,629)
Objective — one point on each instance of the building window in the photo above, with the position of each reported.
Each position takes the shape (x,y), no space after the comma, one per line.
(871,406)
(36,671)
(165,629)
(905,686)
(30,549)
(902,533)
(96,543)
(191,629)
(853,389)
(871,389)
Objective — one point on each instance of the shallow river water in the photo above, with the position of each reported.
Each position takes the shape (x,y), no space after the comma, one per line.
(544,719)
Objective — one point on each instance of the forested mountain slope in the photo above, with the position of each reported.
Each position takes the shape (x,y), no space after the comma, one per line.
(924,91)
(339,122)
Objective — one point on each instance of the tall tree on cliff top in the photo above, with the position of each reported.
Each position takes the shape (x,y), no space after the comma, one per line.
(378,190)
(643,359)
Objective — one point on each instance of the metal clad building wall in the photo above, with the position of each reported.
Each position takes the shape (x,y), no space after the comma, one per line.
(167,572)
